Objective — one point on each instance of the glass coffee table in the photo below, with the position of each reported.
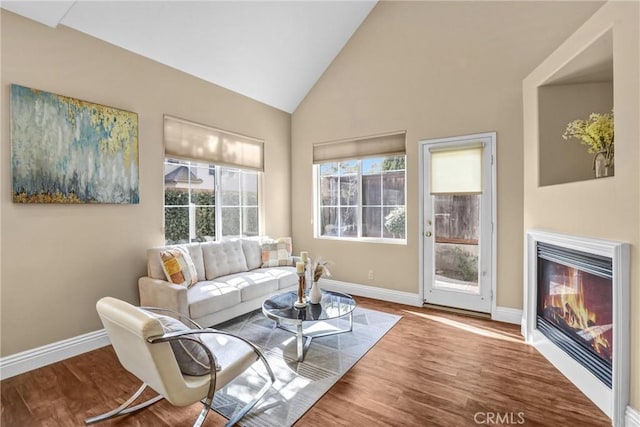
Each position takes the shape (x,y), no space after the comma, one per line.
(333,305)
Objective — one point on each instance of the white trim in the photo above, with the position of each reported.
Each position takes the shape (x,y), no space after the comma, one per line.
(632,417)
(582,378)
(507,314)
(399,297)
(374,240)
(462,139)
(29,360)
(612,402)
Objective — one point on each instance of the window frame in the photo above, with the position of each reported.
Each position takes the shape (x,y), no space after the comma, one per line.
(317,205)
(218,169)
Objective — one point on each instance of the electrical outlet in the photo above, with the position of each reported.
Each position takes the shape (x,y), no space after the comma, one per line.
(370,274)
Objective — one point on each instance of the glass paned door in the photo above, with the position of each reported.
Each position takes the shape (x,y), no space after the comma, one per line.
(457,232)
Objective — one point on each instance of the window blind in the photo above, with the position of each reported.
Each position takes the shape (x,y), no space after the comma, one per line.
(193,141)
(456,171)
(380,145)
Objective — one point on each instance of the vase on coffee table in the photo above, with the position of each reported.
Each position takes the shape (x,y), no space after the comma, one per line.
(315,295)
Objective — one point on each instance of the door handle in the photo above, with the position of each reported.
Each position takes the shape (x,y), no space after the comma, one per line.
(427,234)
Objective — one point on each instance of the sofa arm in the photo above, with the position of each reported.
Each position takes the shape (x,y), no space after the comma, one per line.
(163,294)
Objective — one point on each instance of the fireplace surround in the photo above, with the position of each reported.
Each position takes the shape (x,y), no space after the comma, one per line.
(576,313)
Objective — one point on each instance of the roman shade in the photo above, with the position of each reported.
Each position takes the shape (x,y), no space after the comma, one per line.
(193,141)
(379,145)
(457,170)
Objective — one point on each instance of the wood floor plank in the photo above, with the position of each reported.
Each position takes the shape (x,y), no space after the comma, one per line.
(433,368)
(14,408)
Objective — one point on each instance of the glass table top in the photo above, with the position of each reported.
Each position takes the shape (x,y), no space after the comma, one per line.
(331,306)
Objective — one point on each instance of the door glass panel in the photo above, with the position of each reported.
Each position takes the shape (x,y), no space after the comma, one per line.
(457,234)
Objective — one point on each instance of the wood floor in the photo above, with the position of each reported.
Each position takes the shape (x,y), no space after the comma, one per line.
(432,369)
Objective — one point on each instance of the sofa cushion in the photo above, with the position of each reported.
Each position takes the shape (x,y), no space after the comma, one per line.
(286,276)
(223,258)
(252,285)
(178,266)
(208,297)
(154,263)
(195,250)
(252,253)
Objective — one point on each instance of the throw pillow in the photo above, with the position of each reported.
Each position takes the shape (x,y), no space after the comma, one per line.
(179,267)
(276,254)
(287,242)
(191,357)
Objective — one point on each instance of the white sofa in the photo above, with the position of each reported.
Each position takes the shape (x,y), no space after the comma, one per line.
(231,281)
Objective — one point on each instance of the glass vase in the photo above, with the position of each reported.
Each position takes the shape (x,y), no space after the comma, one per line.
(600,166)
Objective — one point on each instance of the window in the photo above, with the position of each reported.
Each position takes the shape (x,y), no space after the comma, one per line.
(191,211)
(212,191)
(362,198)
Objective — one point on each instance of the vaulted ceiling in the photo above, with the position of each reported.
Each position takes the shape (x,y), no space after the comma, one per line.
(271,51)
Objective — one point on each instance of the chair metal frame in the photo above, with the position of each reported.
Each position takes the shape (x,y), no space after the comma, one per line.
(207,401)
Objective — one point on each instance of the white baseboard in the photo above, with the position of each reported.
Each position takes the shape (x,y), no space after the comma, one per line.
(508,315)
(632,417)
(399,297)
(47,354)
(501,314)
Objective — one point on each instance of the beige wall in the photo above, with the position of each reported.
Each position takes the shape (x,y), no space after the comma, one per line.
(567,161)
(58,260)
(603,208)
(434,69)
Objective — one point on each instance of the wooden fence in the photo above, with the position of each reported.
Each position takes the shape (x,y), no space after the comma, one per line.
(457,219)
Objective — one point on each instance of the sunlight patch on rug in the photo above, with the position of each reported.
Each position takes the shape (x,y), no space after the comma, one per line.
(298,384)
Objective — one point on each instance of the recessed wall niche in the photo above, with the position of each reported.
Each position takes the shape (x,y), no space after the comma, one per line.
(582,86)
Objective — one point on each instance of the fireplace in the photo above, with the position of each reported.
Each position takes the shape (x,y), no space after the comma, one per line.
(575,306)
(576,313)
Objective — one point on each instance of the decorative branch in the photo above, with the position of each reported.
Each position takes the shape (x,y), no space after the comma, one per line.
(319,269)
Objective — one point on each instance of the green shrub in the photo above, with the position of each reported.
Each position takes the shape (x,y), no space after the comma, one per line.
(394,222)
(467,265)
(176,219)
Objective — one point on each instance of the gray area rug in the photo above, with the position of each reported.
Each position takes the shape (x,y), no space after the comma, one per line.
(298,384)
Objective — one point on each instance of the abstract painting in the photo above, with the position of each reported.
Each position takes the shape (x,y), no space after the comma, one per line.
(65,150)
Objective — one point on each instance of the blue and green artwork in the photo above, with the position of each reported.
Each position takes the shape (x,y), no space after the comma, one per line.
(69,151)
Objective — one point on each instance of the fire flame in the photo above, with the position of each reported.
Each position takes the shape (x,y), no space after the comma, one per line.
(566,301)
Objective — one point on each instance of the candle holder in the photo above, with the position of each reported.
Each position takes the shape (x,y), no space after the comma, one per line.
(307,275)
(304,257)
(301,302)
